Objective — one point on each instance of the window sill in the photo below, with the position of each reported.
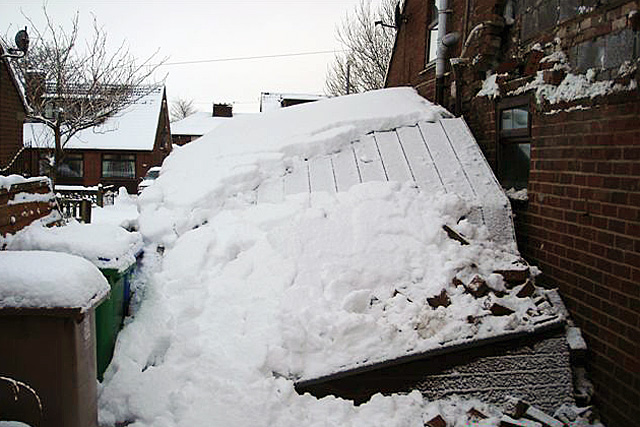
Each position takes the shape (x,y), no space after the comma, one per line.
(428,68)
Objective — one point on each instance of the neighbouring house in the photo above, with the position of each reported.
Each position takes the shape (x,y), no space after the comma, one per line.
(270,101)
(13,109)
(549,90)
(118,152)
(200,123)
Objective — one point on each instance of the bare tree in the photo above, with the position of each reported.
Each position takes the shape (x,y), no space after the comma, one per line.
(367,49)
(181,108)
(71,86)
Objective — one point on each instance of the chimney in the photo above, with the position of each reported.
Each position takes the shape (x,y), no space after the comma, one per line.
(222,110)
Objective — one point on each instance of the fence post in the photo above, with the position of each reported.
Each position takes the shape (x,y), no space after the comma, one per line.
(100,196)
(85,211)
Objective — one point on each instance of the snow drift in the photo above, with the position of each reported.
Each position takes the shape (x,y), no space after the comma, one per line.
(249,297)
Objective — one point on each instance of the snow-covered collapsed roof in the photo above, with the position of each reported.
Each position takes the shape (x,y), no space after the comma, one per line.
(134,128)
(198,124)
(308,241)
(438,156)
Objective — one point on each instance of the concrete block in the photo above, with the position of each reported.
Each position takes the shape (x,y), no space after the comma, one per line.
(569,9)
(548,15)
(591,54)
(618,48)
(529,25)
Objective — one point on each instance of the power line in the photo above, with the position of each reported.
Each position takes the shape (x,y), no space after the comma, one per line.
(244,58)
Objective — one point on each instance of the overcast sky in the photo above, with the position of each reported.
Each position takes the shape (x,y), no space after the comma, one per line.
(199,30)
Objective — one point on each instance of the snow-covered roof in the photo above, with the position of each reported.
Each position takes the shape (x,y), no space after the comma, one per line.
(438,156)
(270,101)
(197,124)
(134,128)
(38,279)
(308,241)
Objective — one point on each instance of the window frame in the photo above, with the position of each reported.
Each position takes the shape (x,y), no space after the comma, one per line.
(76,157)
(431,27)
(131,158)
(511,137)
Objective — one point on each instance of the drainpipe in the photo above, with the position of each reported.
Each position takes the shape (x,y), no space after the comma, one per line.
(443,11)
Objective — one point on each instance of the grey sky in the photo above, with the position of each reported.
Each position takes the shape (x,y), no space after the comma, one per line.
(195,30)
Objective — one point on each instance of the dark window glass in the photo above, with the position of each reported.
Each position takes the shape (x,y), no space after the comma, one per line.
(515,161)
(514,157)
(71,166)
(118,166)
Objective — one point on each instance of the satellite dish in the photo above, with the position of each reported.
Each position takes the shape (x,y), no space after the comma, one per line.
(22,40)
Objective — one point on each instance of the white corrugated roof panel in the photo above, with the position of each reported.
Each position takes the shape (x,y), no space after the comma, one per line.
(439,156)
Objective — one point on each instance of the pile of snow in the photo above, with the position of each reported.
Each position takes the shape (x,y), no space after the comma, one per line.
(521,195)
(123,212)
(106,246)
(239,154)
(250,297)
(48,279)
(490,87)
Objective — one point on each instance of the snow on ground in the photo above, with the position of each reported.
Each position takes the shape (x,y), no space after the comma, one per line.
(49,279)
(249,297)
(123,212)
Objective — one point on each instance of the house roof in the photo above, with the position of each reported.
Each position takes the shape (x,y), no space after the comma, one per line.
(132,129)
(197,124)
(438,156)
(270,101)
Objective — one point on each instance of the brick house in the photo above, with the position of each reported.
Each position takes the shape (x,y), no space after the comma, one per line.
(118,152)
(13,109)
(549,90)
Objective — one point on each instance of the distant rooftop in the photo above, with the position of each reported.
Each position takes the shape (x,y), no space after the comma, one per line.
(270,101)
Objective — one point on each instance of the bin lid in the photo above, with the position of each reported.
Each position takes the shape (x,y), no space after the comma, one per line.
(49,280)
(107,246)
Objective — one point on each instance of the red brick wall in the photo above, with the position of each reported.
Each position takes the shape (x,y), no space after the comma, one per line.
(582,227)
(582,222)
(11,117)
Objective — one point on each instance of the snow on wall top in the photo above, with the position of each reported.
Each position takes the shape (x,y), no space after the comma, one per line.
(50,280)
(106,246)
(134,128)
(199,123)
(7,181)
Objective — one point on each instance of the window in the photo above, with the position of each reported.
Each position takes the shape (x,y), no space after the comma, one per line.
(71,166)
(432,33)
(514,150)
(118,166)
